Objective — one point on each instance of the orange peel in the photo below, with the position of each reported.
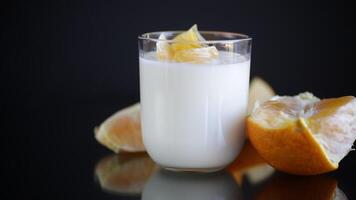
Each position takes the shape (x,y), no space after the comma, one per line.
(303,134)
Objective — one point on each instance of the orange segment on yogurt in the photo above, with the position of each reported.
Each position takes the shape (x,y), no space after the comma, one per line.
(186,47)
(197,55)
(187,40)
(163,49)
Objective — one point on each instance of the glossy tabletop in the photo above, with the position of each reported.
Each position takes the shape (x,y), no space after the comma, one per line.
(62,160)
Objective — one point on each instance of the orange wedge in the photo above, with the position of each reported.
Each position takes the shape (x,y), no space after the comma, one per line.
(197,55)
(186,47)
(163,51)
(303,134)
(187,40)
(122,131)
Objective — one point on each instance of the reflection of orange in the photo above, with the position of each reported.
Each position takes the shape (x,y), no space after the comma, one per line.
(300,187)
(125,172)
(246,162)
(302,134)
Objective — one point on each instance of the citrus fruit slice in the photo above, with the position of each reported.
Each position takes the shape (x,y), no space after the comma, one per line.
(125,173)
(303,134)
(122,131)
(187,40)
(197,55)
(163,48)
(186,47)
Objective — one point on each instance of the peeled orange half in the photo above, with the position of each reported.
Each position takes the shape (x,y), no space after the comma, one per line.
(303,134)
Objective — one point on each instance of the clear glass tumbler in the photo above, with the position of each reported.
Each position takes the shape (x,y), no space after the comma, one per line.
(193,113)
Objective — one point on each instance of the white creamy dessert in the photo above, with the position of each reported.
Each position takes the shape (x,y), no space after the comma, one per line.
(193,114)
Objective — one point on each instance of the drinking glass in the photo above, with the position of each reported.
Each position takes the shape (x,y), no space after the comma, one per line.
(193,114)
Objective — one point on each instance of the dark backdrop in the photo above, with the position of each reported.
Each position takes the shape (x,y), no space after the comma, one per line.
(67,65)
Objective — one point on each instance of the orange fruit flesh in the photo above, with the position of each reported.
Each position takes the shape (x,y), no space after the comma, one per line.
(186,47)
(302,134)
(187,40)
(122,131)
(260,91)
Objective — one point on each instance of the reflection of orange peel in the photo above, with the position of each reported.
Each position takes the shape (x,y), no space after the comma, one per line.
(301,187)
(125,173)
(186,47)
(250,164)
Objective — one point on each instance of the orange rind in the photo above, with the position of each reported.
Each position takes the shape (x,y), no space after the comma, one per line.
(303,134)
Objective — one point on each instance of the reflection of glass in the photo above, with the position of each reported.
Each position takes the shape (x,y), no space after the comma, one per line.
(193,113)
(170,186)
(284,186)
(124,173)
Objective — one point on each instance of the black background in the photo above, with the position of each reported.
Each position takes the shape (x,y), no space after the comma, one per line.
(67,65)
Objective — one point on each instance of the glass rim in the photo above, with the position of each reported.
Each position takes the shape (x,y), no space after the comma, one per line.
(244,37)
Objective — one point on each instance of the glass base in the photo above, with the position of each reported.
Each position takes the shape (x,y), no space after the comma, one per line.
(202,170)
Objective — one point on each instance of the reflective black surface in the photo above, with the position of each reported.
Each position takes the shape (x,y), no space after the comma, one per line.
(61,161)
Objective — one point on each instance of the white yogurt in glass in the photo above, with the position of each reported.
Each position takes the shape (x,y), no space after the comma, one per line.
(193,115)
